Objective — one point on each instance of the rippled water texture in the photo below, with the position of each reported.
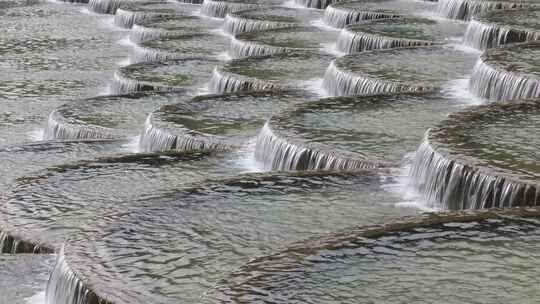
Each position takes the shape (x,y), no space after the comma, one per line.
(263,151)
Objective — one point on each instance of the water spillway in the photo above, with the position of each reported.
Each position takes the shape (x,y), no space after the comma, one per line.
(345,13)
(507,73)
(394,33)
(278,153)
(224,82)
(377,257)
(170,75)
(462,164)
(128,17)
(213,122)
(106,6)
(228,204)
(220,9)
(467,9)
(321,4)
(65,286)
(289,70)
(501,27)
(276,41)
(60,127)
(34,200)
(339,17)
(391,71)
(172,151)
(263,19)
(356,128)
(104,117)
(164,27)
(160,136)
(189,45)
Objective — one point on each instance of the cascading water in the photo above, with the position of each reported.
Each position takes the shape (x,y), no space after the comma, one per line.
(340,17)
(500,27)
(349,42)
(105,6)
(124,85)
(466,9)
(342,83)
(58,127)
(223,82)
(484,173)
(220,9)
(126,18)
(495,84)
(447,184)
(484,36)
(154,139)
(321,4)
(276,153)
(140,34)
(235,25)
(136,228)
(241,49)
(65,287)
(144,54)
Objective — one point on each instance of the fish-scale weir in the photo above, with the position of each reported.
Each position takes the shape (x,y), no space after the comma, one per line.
(184,151)
(507,73)
(498,28)
(455,178)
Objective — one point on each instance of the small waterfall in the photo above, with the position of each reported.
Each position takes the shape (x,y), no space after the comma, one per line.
(276,153)
(13,245)
(320,4)
(242,49)
(495,84)
(65,287)
(105,6)
(447,184)
(126,19)
(58,127)
(141,34)
(122,85)
(222,82)
(350,42)
(155,139)
(235,25)
(339,18)
(466,9)
(141,54)
(484,35)
(220,9)
(342,83)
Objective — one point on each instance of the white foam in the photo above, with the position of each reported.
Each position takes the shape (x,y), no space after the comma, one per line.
(315,86)
(458,89)
(133,145)
(124,62)
(225,56)
(244,158)
(37,134)
(459,46)
(293,4)
(331,49)
(126,42)
(400,185)
(221,32)
(38,298)
(320,24)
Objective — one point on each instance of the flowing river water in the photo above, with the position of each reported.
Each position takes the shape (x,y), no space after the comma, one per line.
(261,151)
